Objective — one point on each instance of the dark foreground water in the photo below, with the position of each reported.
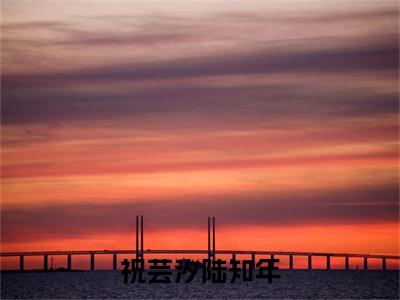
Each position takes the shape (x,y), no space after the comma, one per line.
(293,284)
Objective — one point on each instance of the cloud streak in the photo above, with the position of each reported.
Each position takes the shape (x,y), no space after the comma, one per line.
(328,207)
(376,58)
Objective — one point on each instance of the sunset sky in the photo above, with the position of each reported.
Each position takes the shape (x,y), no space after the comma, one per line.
(279,118)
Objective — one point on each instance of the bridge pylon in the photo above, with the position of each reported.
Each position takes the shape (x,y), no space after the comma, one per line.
(211,238)
(139,250)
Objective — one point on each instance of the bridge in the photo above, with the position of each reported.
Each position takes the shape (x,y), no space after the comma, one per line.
(211,252)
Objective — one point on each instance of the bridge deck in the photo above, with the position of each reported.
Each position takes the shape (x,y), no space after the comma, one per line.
(151,251)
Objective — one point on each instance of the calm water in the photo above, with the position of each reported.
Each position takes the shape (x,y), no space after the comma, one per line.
(292,284)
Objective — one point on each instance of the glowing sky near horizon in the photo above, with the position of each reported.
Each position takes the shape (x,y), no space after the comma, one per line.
(278,117)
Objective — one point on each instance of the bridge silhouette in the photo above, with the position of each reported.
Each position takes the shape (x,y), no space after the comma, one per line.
(211,252)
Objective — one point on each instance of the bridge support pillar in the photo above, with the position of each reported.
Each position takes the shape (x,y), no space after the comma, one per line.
(21,263)
(114,262)
(290,262)
(92,262)
(365,263)
(69,262)
(328,262)
(253,260)
(45,263)
(347,263)
(310,262)
(383,263)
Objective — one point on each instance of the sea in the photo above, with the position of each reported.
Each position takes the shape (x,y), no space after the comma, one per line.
(294,284)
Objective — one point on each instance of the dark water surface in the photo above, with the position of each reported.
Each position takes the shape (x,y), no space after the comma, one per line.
(293,284)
